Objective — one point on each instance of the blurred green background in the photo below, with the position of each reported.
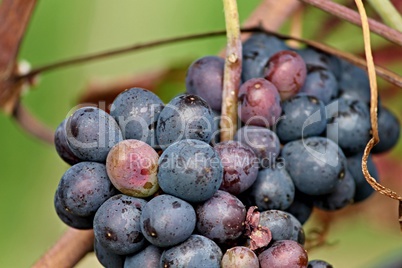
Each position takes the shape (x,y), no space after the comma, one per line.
(30,170)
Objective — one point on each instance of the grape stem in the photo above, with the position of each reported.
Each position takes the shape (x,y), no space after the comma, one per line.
(233,65)
(388,13)
(373,112)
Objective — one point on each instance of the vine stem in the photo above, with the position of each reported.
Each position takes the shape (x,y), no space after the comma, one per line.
(232,72)
(373,112)
(354,17)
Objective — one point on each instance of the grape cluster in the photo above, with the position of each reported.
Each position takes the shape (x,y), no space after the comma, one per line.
(160,189)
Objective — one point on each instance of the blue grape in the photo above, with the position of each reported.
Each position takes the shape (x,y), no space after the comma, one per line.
(302,116)
(221,218)
(74,221)
(107,258)
(319,264)
(205,79)
(185,117)
(315,164)
(350,125)
(91,133)
(283,225)
(256,52)
(354,83)
(84,187)
(341,197)
(62,147)
(316,58)
(240,166)
(167,220)
(196,252)
(302,207)
(263,141)
(273,189)
(259,103)
(363,188)
(388,130)
(190,170)
(146,258)
(136,110)
(286,253)
(216,135)
(240,257)
(117,224)
(322,84)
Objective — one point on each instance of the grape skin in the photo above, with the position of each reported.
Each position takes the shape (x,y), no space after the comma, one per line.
(91,133)
(132,168)
(167,220)
(221,218)
(107,258)
(240,166)
(240,257)
(259,103)
(285,253)
(136,110)
(61,145)
(205,79)
(146,258)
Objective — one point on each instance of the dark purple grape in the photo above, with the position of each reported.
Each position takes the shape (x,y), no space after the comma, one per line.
(132,166)
(341,197)
(107,258)
(84,187)
(349,125)
(167,220)
(388,130)
(315,58)
(363,188)
(185,117)
(256,52)
(91,133)
(354,83)
(259,103)
(77,222)
(302,116)
(287,71)
(216,135)
(136,110)
(315,164)
(190,170)
(273,189)
(147,258)
(302,207)
(117,224)
(221,218)
(322,84)
(286,253)
(283,225)
(197,251)
(240,257)
(240,166)
(263,141)
(318,264)
(205,79)
(61,144)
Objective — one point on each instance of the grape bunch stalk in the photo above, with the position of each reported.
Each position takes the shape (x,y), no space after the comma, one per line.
(227,173)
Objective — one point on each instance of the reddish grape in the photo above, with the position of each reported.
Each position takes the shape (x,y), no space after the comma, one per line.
(132,166)
(287,71)
(259,103)
(284,253)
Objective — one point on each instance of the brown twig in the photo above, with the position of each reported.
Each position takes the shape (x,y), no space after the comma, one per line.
(32,125)
(373,113)
(233,65)
(69,249)
(353,17)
